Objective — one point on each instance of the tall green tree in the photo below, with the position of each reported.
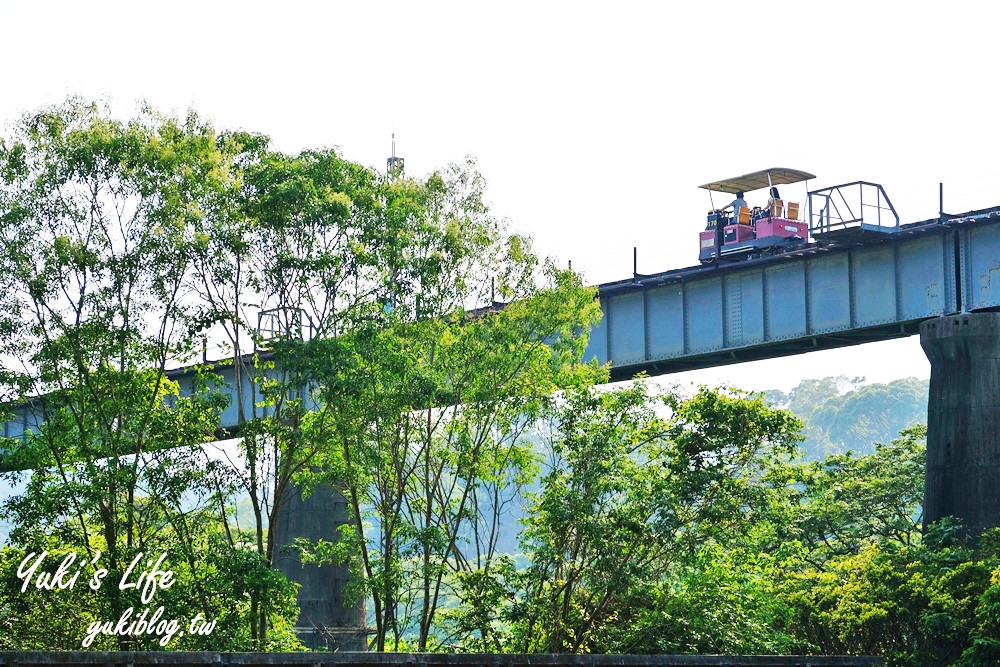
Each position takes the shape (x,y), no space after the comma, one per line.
(635,485)
(424,408)
(97,239)
(294,253)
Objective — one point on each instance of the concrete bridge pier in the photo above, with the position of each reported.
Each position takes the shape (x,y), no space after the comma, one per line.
(963,420)
(328,619)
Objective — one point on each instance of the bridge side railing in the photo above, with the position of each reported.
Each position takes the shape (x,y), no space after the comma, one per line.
(850,205)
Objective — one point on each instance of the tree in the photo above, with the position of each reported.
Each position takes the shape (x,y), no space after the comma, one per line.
(844,502)
(96,250)
(158,235)
(424,408)
(297,253)
(912,604)
(627,494)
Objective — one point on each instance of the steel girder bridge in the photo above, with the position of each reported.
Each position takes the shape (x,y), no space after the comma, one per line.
(869,287)
(871,283)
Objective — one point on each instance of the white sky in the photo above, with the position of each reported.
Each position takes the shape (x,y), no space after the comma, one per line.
(594,123)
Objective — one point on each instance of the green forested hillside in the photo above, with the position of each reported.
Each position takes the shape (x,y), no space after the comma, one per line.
(842,414)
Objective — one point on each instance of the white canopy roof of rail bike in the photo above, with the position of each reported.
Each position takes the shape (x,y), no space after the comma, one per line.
(758,180)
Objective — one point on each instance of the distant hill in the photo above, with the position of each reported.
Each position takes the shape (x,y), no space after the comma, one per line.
(843,414)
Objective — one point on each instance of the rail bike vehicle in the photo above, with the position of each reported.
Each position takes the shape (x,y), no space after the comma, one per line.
(739,231)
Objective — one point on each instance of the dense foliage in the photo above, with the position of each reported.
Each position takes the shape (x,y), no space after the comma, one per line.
(126,247)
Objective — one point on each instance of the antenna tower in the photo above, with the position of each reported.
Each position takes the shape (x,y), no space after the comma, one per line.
(394,165)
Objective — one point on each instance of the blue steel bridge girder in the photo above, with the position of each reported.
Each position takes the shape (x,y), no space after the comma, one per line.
(878,288)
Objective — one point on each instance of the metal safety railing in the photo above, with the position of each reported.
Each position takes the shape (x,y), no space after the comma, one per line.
(859,204)
(284,323)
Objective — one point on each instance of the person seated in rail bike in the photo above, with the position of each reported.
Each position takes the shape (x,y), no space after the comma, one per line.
(733,210)
(768,210)
(739,201)
(773,199)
